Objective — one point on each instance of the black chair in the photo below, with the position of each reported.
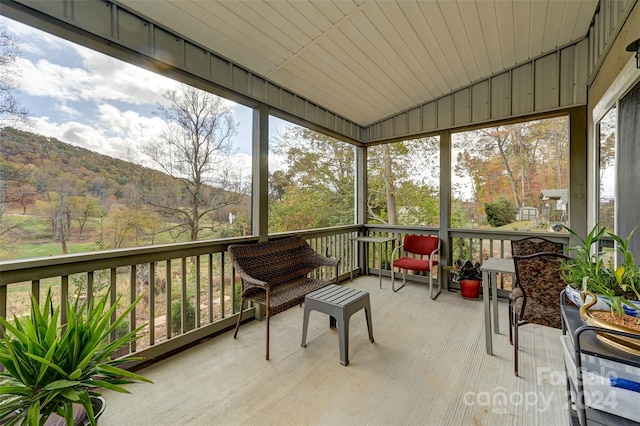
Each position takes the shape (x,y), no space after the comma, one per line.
(539,277)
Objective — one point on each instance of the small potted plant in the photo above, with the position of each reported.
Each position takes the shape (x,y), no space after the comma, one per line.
(616,286)
(54,370)
(469,276)
(607,293)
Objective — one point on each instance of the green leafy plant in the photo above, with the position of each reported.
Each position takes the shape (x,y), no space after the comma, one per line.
(49,367)
(464,270)
(594,270)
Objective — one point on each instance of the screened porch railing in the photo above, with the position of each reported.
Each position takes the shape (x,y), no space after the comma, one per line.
(189,291)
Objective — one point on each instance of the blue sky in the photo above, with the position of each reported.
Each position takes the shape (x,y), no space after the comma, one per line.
(91,100)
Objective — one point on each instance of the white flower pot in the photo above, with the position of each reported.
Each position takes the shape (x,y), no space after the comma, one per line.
(604,304)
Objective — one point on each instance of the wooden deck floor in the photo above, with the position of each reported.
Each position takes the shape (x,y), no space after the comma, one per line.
(428,366)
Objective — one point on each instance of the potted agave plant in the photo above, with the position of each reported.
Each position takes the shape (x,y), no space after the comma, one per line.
(607,293)
(52,371)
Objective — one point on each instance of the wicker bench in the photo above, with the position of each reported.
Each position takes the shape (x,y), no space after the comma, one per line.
(274,274)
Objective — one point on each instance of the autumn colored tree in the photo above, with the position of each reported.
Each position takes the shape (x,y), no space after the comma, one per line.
(81,208)
(126,227)
(516,162)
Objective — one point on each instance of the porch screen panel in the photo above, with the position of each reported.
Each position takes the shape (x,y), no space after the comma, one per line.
(628,190)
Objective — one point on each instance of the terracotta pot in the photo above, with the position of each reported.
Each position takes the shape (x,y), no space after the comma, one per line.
(470,289)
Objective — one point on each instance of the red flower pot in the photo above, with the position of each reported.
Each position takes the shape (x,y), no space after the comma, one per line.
(470,289)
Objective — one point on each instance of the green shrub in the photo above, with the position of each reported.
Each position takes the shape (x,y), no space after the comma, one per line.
(499,213)
(176,316)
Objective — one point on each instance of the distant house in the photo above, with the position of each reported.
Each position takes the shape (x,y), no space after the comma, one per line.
(555,208)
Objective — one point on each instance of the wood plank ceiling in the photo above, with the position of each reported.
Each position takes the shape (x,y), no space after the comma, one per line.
(369,59)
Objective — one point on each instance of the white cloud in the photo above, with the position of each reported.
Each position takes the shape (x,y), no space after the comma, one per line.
(32,41)
(125,83)
(94,101)
(114,79)
(112,141)
(66,109)
(129,122)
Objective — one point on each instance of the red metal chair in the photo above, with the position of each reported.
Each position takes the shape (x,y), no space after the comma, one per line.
(417,253)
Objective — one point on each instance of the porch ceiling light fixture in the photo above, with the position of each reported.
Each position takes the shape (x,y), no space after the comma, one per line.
(635,47)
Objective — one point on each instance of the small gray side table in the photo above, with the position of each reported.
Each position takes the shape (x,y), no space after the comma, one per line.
(339,303)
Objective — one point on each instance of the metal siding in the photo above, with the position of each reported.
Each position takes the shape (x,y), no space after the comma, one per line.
(501,95)
(288,99)
(94,14)
(375,131)
(339,125)
(300,107)
(277,96)
(415,120)
(546,82)
(430,116)
(221,71)
(134,32)
(168,47)
(522,89)
(560,74)
(50,7)
(461,107)
(444,112)
(197,60)
(480,97)
(240,80)
(602,36)
(581,64)
(331,121)
(387,128)
(321,116)
(258,89)
(567,76)
(400,124)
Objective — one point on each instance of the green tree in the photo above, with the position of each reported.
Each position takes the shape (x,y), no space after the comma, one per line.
(319,172)
(398,174)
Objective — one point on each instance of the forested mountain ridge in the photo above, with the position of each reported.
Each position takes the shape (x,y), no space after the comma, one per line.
(54,192)
(29,149)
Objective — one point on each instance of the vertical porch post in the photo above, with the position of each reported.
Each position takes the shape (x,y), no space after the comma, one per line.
(260,190)
(445,203)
